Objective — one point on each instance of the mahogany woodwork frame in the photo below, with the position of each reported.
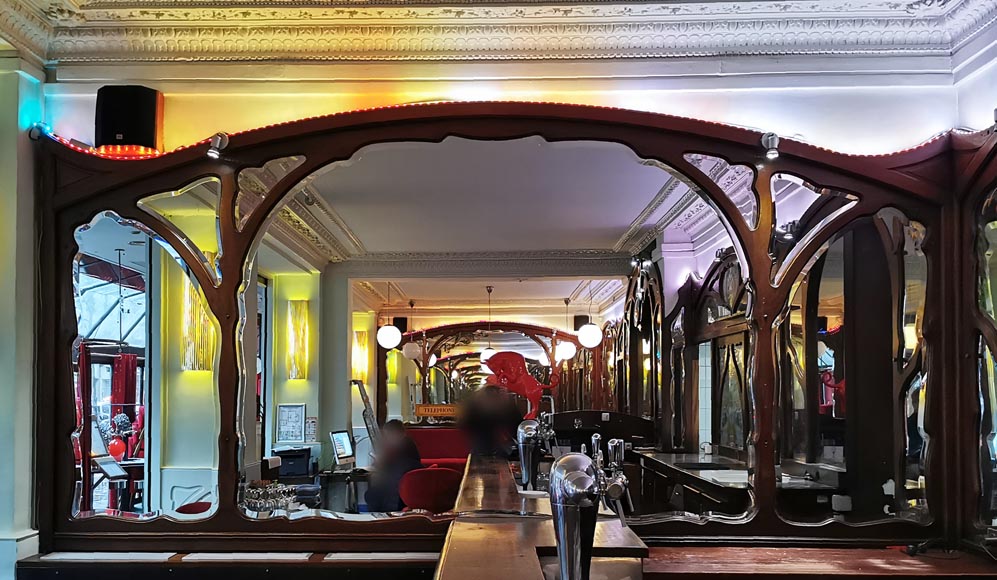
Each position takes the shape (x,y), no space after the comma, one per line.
(940,184)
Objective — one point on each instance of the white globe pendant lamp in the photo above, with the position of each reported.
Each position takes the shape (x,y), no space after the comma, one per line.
(590,335)
(432,361)
(388,336)
(488,351)
(412,350)
(565,351)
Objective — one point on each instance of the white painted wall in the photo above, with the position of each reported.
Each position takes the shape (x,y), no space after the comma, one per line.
(20,106)
(977,98)
(865,114)
(288,287)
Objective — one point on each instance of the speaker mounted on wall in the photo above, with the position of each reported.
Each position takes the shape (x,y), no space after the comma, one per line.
(129,116)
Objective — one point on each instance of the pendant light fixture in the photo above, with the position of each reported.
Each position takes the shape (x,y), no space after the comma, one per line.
(412,350)
(590,335)
(565,350)
(388,336)
(488,351)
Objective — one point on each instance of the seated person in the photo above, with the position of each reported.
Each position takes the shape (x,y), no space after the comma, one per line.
(396,456)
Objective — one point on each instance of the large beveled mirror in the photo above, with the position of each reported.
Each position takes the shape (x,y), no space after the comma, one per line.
(853,386)
(290,329)
(144,366)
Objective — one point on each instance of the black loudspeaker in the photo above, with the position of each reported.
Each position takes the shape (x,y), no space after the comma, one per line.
(580,321)
(129,115)
(401,323)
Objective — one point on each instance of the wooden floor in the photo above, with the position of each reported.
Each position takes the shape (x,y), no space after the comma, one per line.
(727,562)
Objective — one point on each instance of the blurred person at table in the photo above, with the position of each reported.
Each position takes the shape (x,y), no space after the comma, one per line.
(396,455)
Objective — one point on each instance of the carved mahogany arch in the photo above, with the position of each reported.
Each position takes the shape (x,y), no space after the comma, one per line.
(75,184)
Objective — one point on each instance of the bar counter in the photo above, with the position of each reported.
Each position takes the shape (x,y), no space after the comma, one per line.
(501,534)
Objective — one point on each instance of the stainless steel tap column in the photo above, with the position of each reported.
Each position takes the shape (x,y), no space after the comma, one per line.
(528,440)
(574,503)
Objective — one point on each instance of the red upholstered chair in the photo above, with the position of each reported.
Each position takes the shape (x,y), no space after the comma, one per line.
(444,446)
(193,508)
(433,489)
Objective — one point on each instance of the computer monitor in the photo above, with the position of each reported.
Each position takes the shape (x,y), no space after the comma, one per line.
(342,445)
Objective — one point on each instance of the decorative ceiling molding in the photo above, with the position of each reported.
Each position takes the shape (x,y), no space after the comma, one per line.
(26,28)
(626,242)
(59,31)
(319,203)
(288,234)
(314,230)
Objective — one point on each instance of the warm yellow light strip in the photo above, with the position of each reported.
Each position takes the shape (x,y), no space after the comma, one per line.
(198,332)
(297,339)
(360,355)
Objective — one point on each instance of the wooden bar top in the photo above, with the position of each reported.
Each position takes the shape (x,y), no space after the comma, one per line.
(504,548)
(500,534)
(490,487)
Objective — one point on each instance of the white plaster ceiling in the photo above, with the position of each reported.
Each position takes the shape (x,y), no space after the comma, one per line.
(490,196)
(468,296)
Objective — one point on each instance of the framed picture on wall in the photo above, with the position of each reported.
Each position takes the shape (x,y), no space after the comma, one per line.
(291,423)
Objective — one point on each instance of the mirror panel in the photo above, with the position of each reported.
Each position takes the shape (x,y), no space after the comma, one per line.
(192,212)
(255,182)
(736,181)
(851,422)
(144,364)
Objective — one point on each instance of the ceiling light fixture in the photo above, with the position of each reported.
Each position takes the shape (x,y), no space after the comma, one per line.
(770,141)
(565,350)
(412,350)
(388,336)
(590,335)
(219,141)
(488,351)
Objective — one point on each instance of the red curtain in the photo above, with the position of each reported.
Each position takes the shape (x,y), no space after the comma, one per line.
(123,385)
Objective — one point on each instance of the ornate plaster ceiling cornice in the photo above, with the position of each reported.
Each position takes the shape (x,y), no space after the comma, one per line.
(349,30)
(27,28)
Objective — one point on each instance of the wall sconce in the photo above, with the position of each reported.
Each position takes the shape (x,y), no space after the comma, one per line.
(297,339)
(361,354)
(198,332)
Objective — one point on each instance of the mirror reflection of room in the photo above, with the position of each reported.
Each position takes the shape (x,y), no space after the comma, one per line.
(365,347)
(146,406)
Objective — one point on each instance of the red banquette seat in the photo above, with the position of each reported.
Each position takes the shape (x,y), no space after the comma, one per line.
(442,446)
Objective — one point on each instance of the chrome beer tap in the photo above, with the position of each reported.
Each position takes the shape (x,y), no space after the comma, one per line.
(548,438)
(612,487)
(530,449)
(617,477)
(577,484)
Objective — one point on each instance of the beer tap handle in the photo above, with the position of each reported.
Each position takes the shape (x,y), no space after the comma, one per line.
(619,511)
(597,450)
